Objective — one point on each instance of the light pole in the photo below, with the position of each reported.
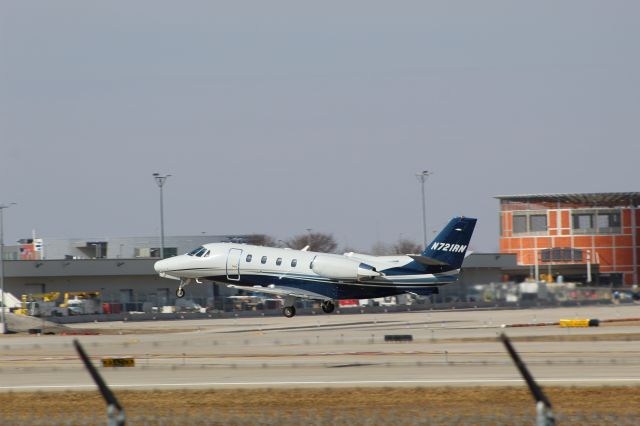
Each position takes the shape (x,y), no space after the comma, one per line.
(160,180)
(3,327)
(309,237)
(422,177)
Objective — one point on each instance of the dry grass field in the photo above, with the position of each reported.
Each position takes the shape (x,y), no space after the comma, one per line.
(301,406)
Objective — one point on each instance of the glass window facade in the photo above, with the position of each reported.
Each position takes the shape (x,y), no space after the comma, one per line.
(538,222)
(519,223)
(561,255)
(596,221)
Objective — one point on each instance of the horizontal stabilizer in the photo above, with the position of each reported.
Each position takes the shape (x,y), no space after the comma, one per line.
(429,261)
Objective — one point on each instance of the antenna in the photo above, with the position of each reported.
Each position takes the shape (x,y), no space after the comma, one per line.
(115,412)
(543,405)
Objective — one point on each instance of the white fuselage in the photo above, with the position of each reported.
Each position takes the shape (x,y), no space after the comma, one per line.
(299,274)
(241,262)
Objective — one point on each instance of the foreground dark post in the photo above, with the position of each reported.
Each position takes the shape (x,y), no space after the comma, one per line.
(543,405)
(115,412)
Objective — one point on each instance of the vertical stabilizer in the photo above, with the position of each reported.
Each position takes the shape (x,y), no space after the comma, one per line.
(449,247)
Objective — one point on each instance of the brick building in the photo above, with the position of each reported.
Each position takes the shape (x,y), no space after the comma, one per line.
(578,236)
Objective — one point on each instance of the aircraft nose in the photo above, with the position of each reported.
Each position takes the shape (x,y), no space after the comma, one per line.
(160,265)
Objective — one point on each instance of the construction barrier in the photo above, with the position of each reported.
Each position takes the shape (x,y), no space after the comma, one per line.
(118,362)
(579,323)
(398,338)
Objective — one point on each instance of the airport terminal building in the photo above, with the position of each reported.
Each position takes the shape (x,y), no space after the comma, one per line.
(111,248)
(120,269)
(590,237)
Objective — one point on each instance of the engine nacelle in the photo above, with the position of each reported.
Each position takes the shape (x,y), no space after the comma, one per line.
(337,268)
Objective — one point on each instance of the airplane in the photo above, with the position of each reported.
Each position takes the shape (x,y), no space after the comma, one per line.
(324,277)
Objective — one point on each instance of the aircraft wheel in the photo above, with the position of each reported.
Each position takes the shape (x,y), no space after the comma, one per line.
(328,306)
(289,311)
(180,293)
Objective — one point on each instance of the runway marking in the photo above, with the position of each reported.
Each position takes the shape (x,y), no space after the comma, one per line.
(333,382)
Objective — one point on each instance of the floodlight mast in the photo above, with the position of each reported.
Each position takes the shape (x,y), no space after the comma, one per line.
(160,180)
(3,325)
(422,177)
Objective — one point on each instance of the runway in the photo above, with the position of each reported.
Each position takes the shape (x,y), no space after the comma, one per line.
(452,348)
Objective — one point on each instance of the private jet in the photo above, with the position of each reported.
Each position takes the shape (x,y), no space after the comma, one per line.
(323,277)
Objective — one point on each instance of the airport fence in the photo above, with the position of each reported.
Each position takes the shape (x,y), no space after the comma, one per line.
(362,310)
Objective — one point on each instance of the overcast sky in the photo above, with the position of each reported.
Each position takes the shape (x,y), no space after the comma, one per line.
(278,116)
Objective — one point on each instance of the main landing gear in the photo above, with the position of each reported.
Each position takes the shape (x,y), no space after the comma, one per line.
(289,311)
(328,306)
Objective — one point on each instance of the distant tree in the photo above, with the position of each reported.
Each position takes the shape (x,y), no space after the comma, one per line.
(317,241)
(402,246)
(381,249)
(405,246)
(262,240)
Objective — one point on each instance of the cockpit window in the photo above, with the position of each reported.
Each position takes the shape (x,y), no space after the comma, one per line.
(199,252)
(194,251)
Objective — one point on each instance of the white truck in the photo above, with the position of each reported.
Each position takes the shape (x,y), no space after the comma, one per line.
(533,290)
(83,306)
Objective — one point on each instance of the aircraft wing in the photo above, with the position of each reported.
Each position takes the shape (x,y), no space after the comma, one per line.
(282,291)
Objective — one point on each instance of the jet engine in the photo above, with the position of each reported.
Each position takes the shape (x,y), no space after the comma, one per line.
(337,268)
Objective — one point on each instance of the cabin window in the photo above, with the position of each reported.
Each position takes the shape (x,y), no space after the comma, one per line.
(294,262)
(279,261)
(263,260)
(249,258)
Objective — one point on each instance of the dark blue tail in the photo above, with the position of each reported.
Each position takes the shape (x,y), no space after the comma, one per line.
(447,250)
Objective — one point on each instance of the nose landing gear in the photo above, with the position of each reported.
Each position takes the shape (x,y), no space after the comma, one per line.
(180,289)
